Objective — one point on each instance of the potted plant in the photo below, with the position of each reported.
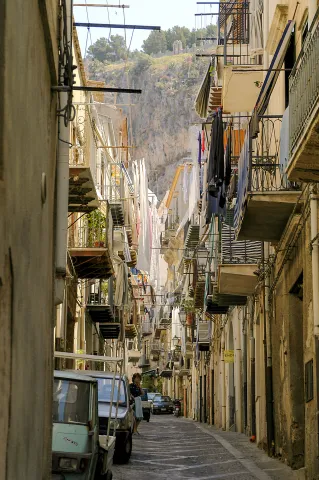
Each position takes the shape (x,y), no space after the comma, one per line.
(190,310)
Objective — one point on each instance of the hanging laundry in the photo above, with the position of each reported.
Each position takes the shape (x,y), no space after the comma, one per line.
(199,148)
(228,153)
(203,141)
(216,169)
(185,183)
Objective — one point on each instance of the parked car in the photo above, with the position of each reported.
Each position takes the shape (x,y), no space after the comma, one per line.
(146,405)
(152,395)
(123,426)
(162,404)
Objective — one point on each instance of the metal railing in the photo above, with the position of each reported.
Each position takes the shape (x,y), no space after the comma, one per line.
(304,85)
(147,328)
(90,231)
(266,172)
(234,26)
(259,166)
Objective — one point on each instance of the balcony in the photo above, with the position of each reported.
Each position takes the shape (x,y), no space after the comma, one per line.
(204,336)
(304,111)
(133,356)
(155,348)
(265,196)
(238,262)
(82,165)
(158,331)
(192,236)
(165,322)
(103,314)
(144,361)
(88,246)
(146,329)
(130,331)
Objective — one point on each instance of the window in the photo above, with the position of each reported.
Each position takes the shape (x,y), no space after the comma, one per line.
(71,401)
(309,381)
(105,391)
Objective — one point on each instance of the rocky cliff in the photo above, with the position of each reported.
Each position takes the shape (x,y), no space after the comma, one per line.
(163,114)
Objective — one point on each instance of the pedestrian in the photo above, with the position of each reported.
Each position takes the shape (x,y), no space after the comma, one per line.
(136,393)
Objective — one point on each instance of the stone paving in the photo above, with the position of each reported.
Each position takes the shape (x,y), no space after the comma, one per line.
(175,448)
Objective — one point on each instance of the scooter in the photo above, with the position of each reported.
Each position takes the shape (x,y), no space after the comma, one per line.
(177,408)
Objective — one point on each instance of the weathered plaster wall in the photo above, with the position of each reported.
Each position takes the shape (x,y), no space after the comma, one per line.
(293,346)
(27,152)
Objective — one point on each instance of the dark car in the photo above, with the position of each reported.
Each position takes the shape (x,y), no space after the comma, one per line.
(123,426)
(146,405)
(162,404)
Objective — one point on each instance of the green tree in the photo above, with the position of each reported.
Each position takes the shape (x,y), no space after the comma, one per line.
(108,50)
(155,43)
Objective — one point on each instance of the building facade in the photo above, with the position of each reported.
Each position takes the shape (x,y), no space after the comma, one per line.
(243,264)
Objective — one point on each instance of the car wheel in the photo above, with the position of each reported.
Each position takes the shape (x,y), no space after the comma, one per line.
(126,455)
(109,475)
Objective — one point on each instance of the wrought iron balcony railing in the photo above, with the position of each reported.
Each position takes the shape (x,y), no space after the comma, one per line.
(89,232)
(304,85)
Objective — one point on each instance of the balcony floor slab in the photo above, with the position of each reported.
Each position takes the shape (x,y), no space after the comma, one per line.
(267,214)
(237,279)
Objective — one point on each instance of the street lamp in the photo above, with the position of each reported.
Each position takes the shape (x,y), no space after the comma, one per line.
(202,257)
(182,316)
(175,341)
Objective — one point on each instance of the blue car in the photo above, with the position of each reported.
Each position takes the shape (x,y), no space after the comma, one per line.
(162,404)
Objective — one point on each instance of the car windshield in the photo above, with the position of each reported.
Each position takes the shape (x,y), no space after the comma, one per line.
(71,400)
(158,398)
(166,399)
(105,391)
(151,396)
(144,397)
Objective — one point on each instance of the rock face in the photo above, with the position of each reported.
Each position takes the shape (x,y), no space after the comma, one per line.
(163,114)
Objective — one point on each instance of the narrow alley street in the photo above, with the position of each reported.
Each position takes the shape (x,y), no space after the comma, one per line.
(174,448)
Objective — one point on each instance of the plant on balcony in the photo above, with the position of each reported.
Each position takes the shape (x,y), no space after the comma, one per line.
(96,229)
(189,307)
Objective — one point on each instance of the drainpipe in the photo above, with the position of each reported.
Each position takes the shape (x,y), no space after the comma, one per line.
(223,383)
(252,373)
(315,285)
(238,389)
(245,371)
(62,185)
(269,386)
(315,258)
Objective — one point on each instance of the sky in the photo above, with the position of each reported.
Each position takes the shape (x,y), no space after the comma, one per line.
(163,13)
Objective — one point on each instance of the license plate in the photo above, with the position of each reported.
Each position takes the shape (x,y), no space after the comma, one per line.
(163,409)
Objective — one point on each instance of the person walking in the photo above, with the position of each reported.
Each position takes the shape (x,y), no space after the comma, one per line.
(136,393)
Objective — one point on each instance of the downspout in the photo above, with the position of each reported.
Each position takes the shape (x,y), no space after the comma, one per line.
(252,372)
(223,382)
(238,385)
(269,373)
(245,369)
(62,183)
(315,258)
(315,287)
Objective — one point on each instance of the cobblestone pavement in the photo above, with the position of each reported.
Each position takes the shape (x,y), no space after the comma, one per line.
(175,448)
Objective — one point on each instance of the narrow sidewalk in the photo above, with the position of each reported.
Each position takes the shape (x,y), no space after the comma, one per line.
(239,445)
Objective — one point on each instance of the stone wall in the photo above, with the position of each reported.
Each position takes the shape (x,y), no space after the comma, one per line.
(28,54)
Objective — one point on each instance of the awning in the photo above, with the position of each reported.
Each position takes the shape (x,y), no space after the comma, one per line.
(273,71)
(149,373)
